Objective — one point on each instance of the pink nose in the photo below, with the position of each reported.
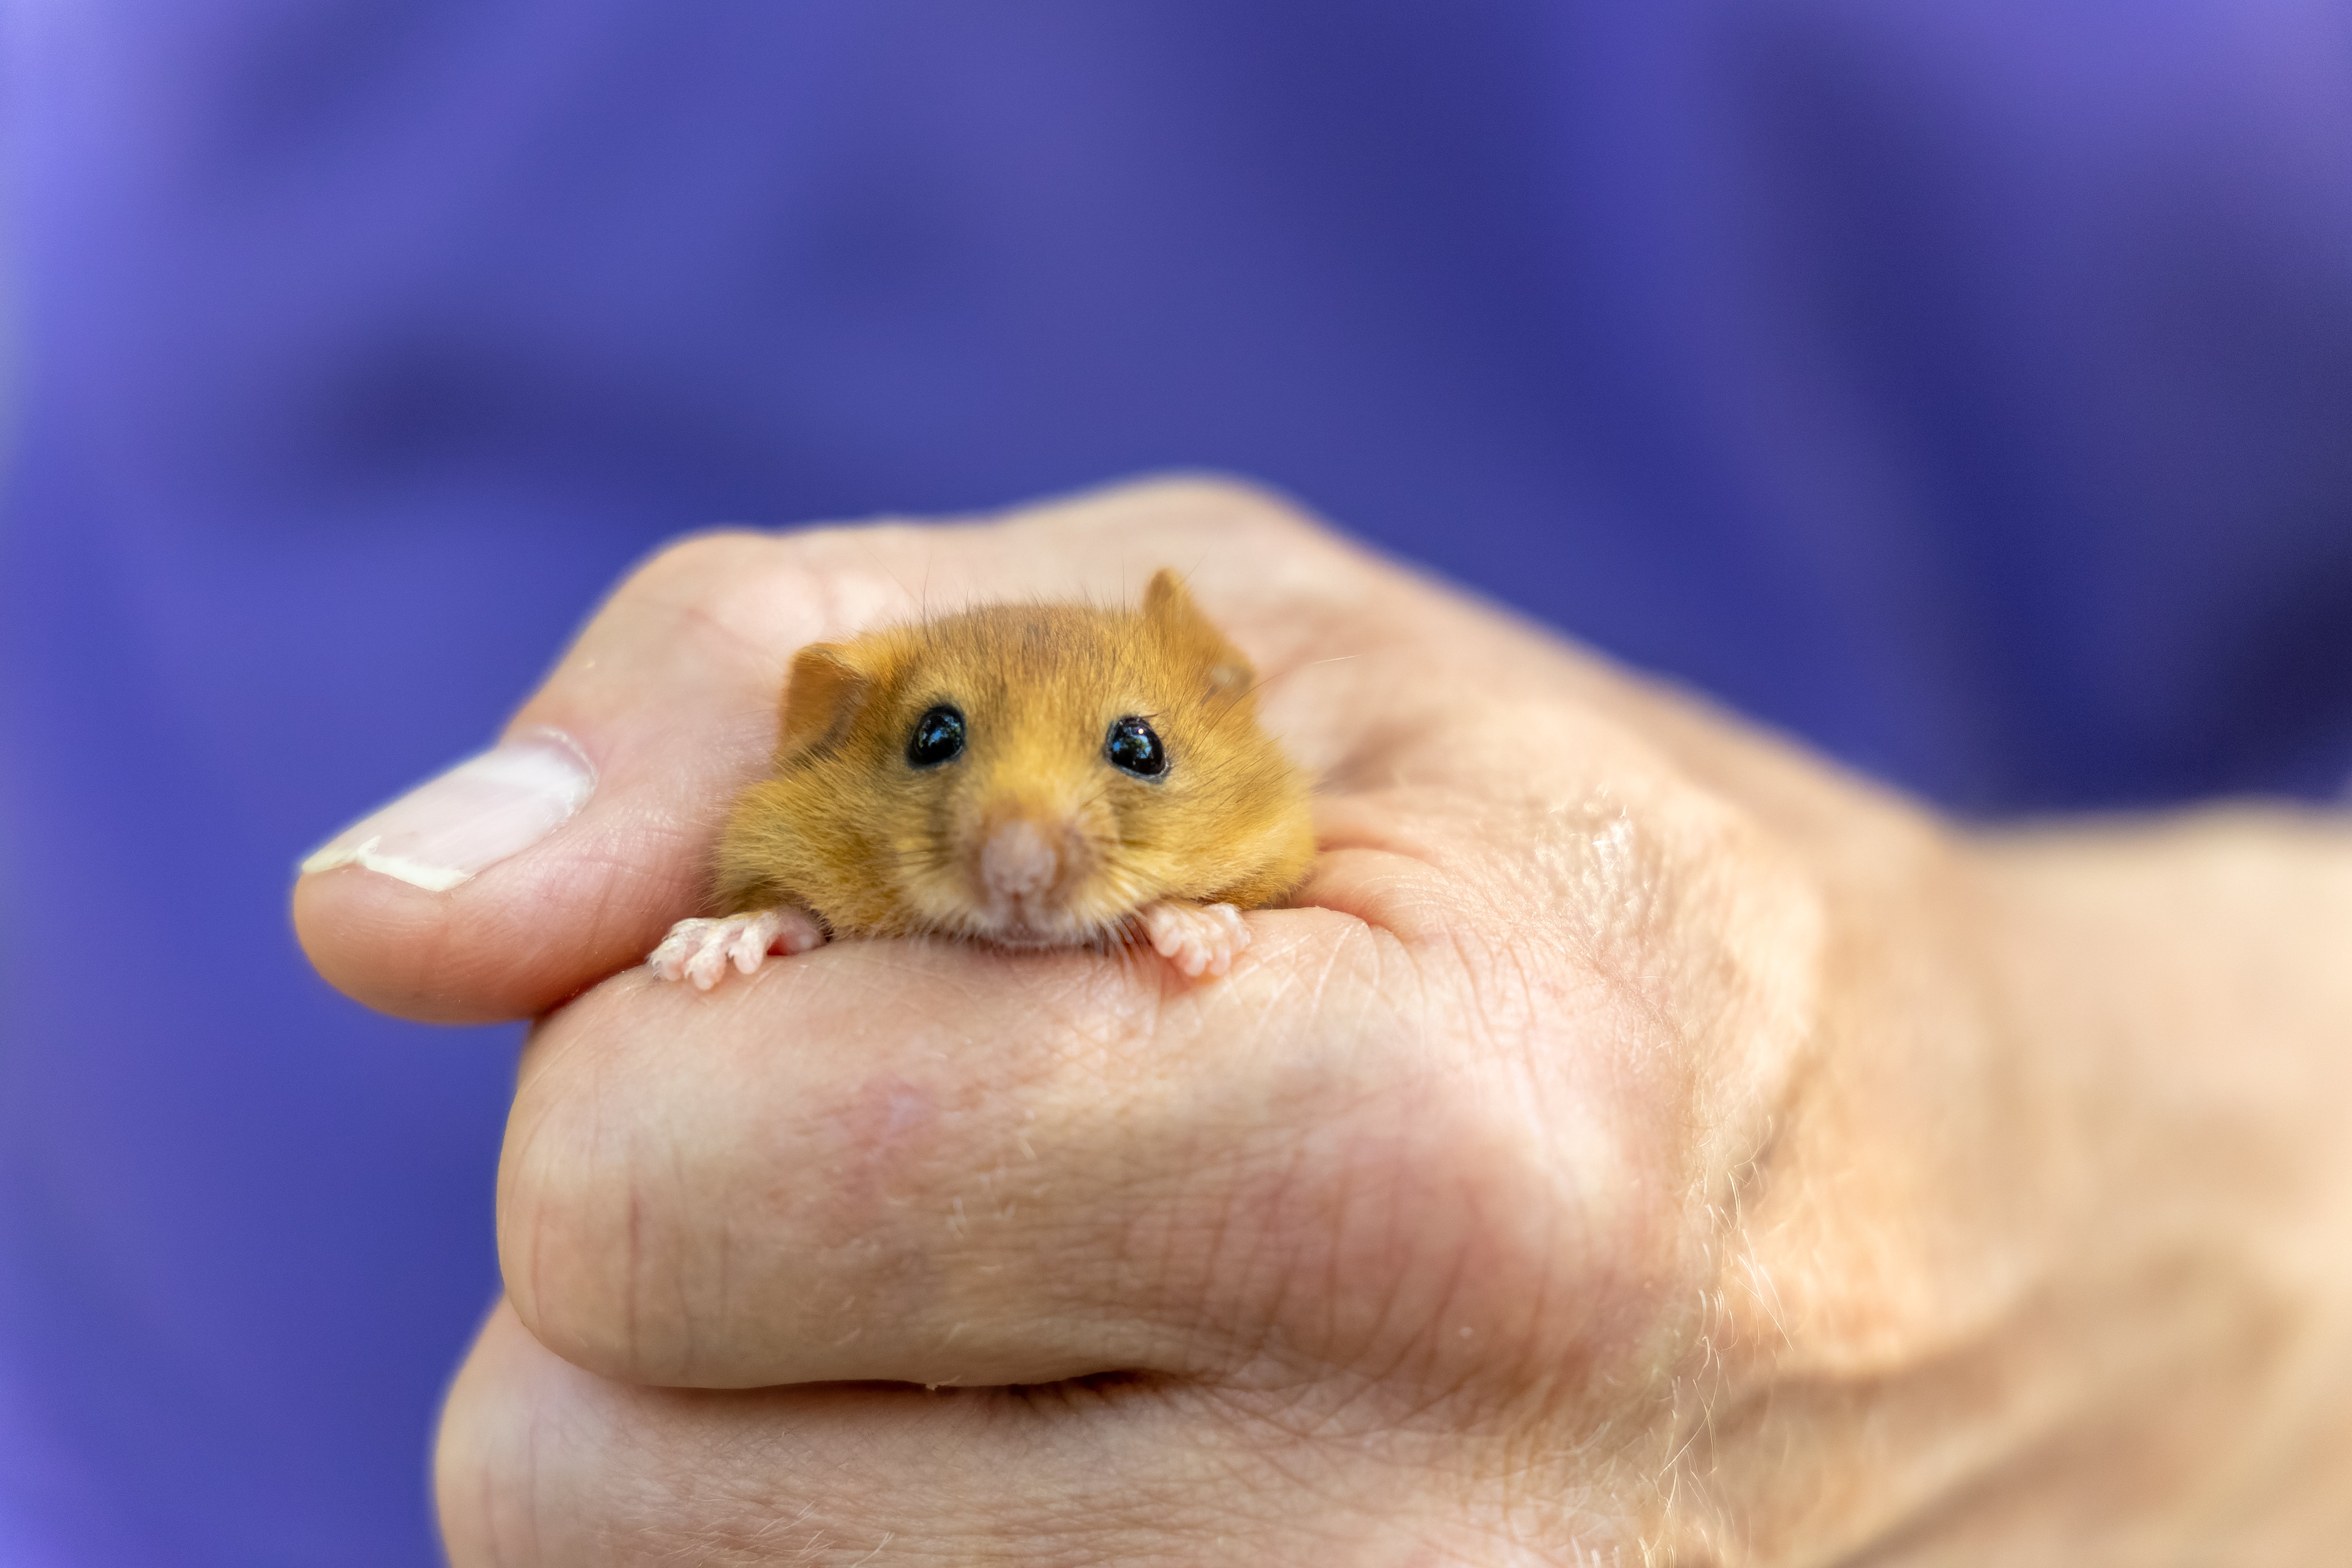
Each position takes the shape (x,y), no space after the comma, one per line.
(1017,862)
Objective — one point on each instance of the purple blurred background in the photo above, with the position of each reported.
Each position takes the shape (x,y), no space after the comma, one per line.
(1966,388)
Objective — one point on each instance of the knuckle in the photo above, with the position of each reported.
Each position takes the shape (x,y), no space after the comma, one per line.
(1229,501)
(1433,1204)
(591,1261)
(508,1436)
(699,560)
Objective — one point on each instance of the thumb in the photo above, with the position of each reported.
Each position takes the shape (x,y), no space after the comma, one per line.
(525,874)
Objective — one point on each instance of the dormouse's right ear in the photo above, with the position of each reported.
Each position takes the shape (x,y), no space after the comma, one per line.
(822,695)
(1168,609)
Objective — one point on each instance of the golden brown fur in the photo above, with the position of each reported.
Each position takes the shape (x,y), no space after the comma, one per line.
(849,830)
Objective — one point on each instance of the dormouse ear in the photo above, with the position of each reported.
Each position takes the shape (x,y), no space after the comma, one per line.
(1168,609)
(822,695)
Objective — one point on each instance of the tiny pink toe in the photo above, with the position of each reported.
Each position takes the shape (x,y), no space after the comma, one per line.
(668,960)
(707,965)
(797,932)
(751,937)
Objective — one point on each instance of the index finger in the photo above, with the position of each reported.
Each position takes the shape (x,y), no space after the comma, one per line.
(525,876)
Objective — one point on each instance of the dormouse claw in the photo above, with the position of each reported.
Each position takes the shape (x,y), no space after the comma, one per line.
(700,949)
(1196,938)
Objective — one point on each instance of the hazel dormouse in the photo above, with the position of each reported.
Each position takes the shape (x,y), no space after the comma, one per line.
(1030,775)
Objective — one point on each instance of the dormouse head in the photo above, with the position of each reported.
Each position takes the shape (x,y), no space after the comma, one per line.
(1036,774)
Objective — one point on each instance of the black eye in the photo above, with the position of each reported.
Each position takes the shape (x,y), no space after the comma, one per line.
(1133,746)
(938,738)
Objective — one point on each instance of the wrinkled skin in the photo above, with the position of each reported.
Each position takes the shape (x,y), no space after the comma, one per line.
(1639,1143)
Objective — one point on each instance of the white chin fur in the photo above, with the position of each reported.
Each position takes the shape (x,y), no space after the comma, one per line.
(1030,929)
(1073,934)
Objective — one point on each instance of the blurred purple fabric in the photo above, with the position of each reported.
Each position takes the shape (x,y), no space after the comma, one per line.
(1967,389)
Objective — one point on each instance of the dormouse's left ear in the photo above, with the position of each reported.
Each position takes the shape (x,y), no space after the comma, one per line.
(1169,610)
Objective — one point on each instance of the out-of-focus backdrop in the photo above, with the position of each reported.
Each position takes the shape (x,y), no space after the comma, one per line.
(1966,388)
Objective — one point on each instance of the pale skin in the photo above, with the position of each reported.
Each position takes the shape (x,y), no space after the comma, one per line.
(1640,1143)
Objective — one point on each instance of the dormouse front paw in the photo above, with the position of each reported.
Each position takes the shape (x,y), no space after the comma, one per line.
(1195,938)
(699,950)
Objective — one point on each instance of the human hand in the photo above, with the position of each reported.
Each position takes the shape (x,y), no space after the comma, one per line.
(1639,1143)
